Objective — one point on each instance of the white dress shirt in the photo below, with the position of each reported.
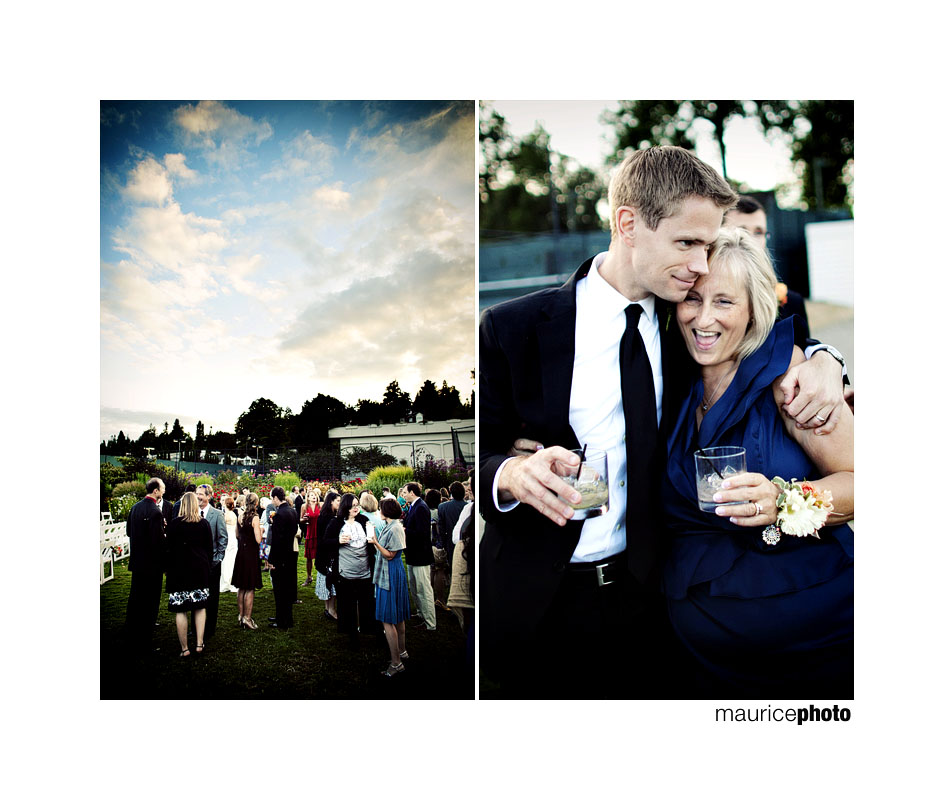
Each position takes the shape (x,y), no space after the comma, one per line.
(464,515)
(596,404)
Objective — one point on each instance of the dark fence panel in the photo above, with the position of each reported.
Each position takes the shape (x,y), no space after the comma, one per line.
(512,265)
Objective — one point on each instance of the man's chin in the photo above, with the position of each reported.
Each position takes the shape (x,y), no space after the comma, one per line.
(675,294)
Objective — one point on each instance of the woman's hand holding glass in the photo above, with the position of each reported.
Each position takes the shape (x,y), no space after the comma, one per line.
(756,495)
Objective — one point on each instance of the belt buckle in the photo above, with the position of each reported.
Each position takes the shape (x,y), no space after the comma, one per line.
(599,569)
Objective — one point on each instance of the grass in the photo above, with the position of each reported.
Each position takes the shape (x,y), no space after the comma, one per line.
(309,661)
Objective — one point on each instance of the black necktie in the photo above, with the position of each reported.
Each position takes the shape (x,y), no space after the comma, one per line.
(639,413)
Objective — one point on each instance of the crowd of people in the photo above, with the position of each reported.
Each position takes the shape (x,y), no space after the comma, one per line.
(205,546)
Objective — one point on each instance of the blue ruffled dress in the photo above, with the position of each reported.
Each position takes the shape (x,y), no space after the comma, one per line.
(762,621)
(392,585)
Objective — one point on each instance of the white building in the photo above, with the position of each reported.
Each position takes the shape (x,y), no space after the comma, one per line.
(402,439)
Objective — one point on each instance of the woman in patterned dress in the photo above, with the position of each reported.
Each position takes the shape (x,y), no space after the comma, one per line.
(188,580)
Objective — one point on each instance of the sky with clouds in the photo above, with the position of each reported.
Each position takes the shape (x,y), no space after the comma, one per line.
(281,249)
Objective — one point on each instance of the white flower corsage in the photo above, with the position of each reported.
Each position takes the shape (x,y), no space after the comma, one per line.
(802,510)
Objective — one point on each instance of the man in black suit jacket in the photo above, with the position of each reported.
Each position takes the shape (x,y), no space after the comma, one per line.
(283,529)
(177,507)
(167,510)
(448,515)
(145,528)
(419,558)
(556,620)
(219,539)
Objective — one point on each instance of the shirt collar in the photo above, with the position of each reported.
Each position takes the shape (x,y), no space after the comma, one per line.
(607,299)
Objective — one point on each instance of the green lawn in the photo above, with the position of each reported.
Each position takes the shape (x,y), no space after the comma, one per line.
(310,661)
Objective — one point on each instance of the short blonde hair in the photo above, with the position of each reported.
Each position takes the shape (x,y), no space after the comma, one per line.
(189,510)
(368,502)
(737,252)
(656,181)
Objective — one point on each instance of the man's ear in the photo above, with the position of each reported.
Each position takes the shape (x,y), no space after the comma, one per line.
(627,221)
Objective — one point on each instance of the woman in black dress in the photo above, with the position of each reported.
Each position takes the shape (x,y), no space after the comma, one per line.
(247,563)
(326,555)
(188,580)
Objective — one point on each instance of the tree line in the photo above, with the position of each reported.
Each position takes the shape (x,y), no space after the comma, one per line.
(266,428)
(527,186)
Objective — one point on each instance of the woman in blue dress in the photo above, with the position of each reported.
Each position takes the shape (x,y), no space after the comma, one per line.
(392,586)
(760,619)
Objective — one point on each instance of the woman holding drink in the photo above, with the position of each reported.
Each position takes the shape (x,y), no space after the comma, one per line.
(355,602)
(760,590)
(759,587)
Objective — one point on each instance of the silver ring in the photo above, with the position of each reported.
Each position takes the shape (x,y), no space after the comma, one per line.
(820,418)
(758,508)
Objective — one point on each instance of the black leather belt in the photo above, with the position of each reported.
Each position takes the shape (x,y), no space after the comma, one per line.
(599,573)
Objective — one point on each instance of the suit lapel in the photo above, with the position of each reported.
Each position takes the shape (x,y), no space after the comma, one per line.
(556,350)
(677,365)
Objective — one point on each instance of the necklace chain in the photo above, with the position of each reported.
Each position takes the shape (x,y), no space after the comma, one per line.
(707,403)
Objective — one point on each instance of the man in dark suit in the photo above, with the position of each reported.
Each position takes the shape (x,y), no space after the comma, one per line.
(219,539)
(177,507)
(283,529)
(571,608)
(750,215)
(145,528)
(167,510)
(448,515)
(419,558)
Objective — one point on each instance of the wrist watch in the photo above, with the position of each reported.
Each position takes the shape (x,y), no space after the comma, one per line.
(831,351)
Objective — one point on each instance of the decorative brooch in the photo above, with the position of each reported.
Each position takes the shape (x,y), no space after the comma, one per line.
(802,510)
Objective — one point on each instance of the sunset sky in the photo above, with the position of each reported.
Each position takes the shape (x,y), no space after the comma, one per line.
(281,249)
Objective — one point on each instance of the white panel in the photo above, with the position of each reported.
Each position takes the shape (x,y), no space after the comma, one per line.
(831,261)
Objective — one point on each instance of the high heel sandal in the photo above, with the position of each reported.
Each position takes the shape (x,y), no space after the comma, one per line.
(393,669)
(199,648)
(184,653)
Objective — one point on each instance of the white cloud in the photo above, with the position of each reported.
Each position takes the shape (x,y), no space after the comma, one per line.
(170,239)
(304,156)
(148,183)
(331,197)
(175,164)
(222,132)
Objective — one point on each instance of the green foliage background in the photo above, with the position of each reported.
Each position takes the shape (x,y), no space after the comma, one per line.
(393,477)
